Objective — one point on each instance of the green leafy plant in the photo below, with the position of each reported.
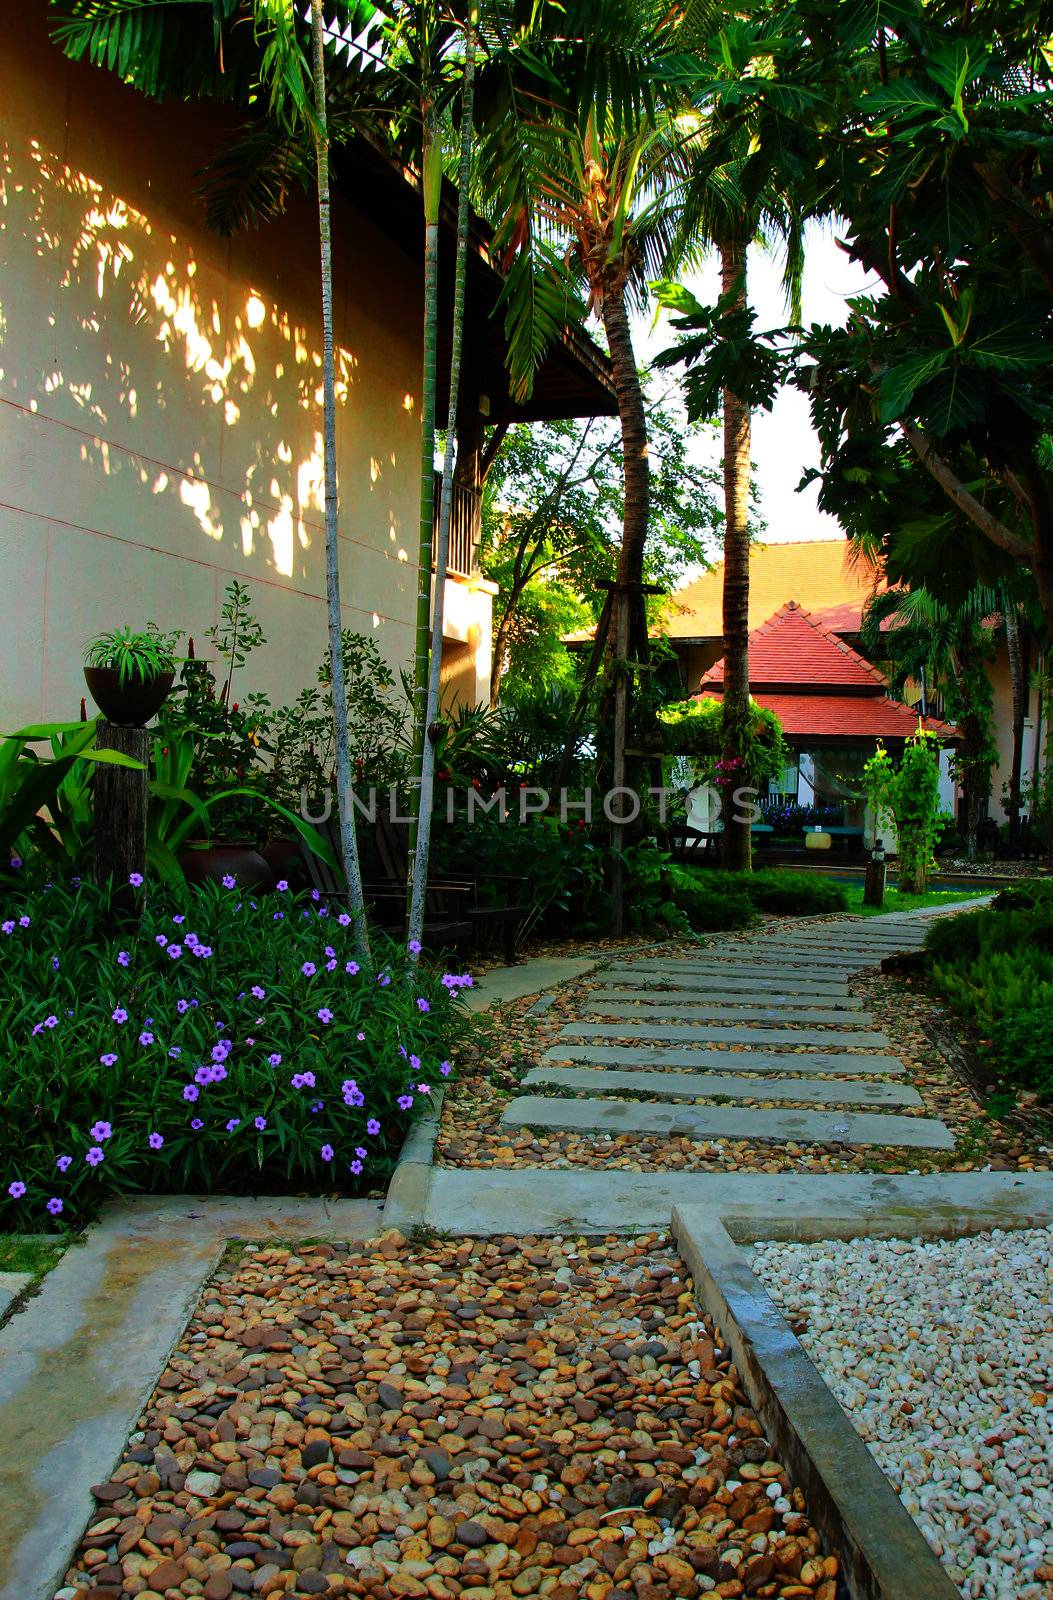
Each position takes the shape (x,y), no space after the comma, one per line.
(224,1042)
(911,793)
(36,810)
(136,656)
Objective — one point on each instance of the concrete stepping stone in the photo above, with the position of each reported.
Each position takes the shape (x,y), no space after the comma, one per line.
(759,1061)
(810,1038)
(727,1122)
(11,1286)
(710,1086)
(795,979)
(745,982)
(709,1008)
(642,1007)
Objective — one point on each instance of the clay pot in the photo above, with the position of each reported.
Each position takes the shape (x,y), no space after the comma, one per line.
(213,862)
(130,704)
(284,857)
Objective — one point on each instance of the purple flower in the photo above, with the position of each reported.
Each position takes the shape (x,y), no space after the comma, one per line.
(329,950)
(135,879)
(182,1006)
(274,1060)
(302,1080)
(326,1152)
(55,1206)
(360,1037)
(109,1059)
(175,1052)
(316,894)
(233,1124)
(175,951)
(191,941)
(7,927)
(191,1090)
(94,1156)
(361,1153)
(330,966)
(446,1069)
(351,967)
(221,1051)
(282,885)
(202,950)
(23,922)
(179,919)
(54,963)
(119,1014)
(422,1005)
(17,1189)
(279,916)
(196,1123)
(308,969)
(259,1123)
(260,994)
(414,1062)
(146,1037)
(217,1072)
(414,947)
(325,1015)
(372,1127)
(15,862)
(344,920)
(316,1106)
(63,1162)
(123,958)
(384,979)
(229,881)
(355,1167)
(51,1022)
(100,1130)
(405,1101)
(156,1140)
(424,1088)
(160,938)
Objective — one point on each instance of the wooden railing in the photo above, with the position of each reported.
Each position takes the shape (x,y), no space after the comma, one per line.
(464,529)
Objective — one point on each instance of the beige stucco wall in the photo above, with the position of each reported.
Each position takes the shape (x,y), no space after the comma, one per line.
(160,395)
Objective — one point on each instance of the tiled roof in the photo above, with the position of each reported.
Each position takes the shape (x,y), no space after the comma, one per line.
(813,570)
(835,716)
(793,648)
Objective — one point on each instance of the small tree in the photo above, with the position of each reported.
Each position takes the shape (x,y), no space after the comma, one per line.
(911,793)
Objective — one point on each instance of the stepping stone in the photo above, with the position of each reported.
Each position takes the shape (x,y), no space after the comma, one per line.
(616,1055)
(732,975)
(642,1007)
(732,983)
(710,1085)
(727,1122)
(742,993)
(669,1033)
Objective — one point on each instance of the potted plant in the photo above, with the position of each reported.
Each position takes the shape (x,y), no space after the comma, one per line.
(130,673)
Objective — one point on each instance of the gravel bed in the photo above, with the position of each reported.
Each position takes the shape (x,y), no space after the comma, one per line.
(500,1418)
(941,1353)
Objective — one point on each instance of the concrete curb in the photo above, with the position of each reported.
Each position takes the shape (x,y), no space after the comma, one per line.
(406,1202)
(851,1502)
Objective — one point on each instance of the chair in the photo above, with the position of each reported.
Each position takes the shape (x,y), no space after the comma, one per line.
(391,843)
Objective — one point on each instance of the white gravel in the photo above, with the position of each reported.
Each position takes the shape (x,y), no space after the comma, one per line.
(941,1353)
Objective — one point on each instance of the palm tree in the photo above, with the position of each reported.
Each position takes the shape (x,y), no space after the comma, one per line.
(943,649)
(174,50)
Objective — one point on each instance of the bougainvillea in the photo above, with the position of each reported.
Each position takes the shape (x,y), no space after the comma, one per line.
(221,1041)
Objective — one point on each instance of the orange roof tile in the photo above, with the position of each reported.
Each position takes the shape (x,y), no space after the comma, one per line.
(792,647)
(845,717)
(812,570)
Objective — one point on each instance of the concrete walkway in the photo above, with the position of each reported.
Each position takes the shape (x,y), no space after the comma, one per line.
(686,1028)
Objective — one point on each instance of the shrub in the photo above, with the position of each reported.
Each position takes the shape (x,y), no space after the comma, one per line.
(795,894)
(1022,1044)
(222,1042)
(708,907)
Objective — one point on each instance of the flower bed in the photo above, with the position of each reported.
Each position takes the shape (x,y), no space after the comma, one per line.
(219,1042)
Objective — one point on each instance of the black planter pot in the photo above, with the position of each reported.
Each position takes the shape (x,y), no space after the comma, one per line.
(130,704)
(214,862)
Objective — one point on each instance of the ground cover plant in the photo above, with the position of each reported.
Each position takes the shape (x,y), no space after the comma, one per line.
(217,1042)
(899,900)
(781,894)
(995,967)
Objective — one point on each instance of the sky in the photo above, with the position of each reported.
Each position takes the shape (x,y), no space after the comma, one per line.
(784,442)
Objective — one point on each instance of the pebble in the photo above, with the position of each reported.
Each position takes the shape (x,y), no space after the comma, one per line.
(582,1435)
(941,1353)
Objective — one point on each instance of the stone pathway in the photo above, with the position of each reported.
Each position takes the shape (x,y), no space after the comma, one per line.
(738,1023)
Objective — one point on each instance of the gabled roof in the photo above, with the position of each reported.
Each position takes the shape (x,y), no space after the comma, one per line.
(818,686)
(813,569)
(793,648)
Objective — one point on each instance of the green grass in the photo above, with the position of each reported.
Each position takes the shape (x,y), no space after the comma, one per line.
(896,900)
(21,1254)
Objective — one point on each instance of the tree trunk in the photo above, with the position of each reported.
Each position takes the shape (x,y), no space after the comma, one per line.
(1018,678)
(348,841)
(422,842)
(120,799)
(497,663)
(636,467)
(736,597)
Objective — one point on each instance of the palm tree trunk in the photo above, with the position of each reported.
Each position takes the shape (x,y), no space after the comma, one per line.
(736,597)
(431,168)
(422,843)
(348,841)
(629,622)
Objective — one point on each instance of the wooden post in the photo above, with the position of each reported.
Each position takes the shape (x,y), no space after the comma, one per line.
(120,803)
(874,886)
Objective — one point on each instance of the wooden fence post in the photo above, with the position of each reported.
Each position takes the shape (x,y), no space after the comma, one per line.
(120,806)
